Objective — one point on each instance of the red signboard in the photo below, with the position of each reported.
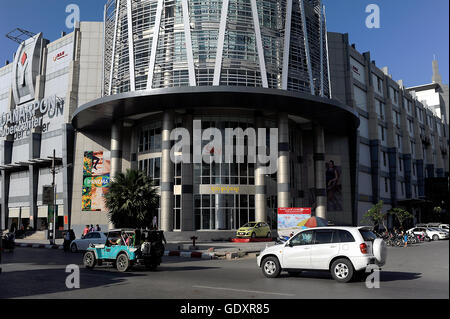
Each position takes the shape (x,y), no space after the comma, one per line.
(295,210)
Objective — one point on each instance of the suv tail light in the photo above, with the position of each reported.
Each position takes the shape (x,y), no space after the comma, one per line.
(363,248)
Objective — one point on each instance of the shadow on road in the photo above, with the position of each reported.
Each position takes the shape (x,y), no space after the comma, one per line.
(386,276)
(19,284)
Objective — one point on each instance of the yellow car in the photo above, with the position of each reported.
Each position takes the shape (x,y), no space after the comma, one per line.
(253,230)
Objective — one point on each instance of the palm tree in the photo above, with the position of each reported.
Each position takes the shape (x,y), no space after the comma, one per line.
(132,200)
(375,216)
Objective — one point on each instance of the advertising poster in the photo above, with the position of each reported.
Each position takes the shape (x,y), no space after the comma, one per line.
(96,170)
(290,220)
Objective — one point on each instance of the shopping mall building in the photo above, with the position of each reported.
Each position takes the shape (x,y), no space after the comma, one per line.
(108,96)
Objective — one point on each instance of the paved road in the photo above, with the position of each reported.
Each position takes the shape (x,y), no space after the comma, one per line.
(421,271)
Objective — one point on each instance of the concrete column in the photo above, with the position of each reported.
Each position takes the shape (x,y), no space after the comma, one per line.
(5,158)
(187,187)
(220,221)
(260,183)
(68,162)
(116,152)
(34,151)
(167,176)
(283,160)
(319,171)
(116,148)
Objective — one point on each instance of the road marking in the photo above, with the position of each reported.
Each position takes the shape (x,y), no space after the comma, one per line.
(249,291)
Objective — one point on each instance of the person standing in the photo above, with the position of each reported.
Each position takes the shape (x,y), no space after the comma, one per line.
(155,222)
(66,241)
(97,228)
(405,239)
(86,230)
(91,229)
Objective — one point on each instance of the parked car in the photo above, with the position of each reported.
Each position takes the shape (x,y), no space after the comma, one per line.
(438,233)
(254,229)
(94,237)
(125,248)
(344,251)
(444,226)
(432,233)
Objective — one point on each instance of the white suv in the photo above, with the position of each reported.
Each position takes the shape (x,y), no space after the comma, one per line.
(344,251)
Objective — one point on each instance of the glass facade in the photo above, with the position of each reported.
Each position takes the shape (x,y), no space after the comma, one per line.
(173,46)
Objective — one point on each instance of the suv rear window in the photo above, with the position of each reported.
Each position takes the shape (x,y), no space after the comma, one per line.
(367,235)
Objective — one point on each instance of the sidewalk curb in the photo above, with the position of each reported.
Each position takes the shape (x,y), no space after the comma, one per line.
(189,254)
(45,246)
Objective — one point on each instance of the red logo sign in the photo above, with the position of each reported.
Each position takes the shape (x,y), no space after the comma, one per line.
(59,56)
(24,58)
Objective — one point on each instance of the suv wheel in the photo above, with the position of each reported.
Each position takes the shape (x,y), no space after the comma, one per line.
(271,267)
(342,270)
(89,260)
(435,237)
(74,248)
(122,263)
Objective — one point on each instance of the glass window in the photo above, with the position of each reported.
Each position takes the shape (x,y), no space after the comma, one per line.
(323,237)
(367,235)
(345,236)
(303,238)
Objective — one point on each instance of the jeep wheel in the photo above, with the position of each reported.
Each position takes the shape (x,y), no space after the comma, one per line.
(122,263)
(74,248)
(89,260)
(271,267)
(342,270)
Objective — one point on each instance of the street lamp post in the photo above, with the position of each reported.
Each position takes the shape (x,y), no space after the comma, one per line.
(53,171)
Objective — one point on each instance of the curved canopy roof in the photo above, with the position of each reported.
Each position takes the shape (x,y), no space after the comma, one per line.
(97,114)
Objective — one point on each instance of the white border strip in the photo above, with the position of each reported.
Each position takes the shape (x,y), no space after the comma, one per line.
(103,48)
(187,36)
(220,43)
(114,46)
(328,57)
(305,36)
(321,47)
(287,45)
(131,46)
(262,62)
(156,29)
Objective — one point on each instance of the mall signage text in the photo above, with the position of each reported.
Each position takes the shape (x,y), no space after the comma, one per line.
(20,121)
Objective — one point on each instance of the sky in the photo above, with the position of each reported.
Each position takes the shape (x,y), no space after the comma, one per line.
(411,32)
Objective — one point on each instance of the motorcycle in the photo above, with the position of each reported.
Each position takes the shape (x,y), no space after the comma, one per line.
(8,241)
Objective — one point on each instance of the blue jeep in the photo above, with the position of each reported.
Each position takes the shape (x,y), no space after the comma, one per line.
(125,248)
